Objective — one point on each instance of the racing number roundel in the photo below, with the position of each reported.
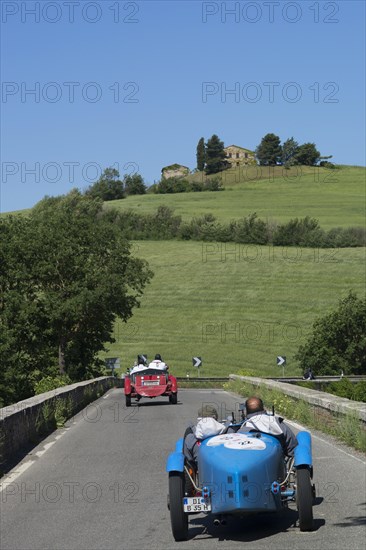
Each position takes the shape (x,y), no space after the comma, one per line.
(239,442)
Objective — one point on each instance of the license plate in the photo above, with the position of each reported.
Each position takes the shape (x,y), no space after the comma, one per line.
(151,382)
(196,504)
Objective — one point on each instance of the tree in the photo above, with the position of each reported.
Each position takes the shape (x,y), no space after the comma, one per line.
(201,154)
(215,156)
(289,151)
(338,340)
(134,184)
(68,273)
(109,187)
(307,154)
(269,150)
(24,328)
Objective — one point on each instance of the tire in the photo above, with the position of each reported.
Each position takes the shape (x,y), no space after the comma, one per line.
(173,398)
(178,518)
(128,400)
(304,499)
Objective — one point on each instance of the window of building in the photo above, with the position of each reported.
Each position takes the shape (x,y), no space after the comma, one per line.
(246,155)
(237,155)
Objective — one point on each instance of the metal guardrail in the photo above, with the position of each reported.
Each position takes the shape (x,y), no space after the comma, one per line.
(354,378)
(290,379)
(200,379)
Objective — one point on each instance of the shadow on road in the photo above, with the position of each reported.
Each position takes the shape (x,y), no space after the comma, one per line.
(353,521)
(154,403)
(247,528)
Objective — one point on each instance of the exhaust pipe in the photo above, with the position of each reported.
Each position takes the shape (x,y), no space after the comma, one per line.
(219,521)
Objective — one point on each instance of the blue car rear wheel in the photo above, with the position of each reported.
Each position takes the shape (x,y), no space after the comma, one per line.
(304,498)
(178,518)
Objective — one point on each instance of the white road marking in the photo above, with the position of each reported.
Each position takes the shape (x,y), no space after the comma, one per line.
(45,448)
(21,468)
(15,474)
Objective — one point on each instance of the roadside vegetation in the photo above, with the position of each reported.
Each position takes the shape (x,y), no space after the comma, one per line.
(356,391)
(337,343)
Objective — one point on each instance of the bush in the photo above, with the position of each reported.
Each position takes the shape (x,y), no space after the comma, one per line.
(173,185)
(359,391)
(134,184)
(340,237)
(203,228)
(345,388)
(213,184)
(341,388)
(181,185)
(109,187)
(63,410)
(327,164)
(338,340)
(250,230)
(49,383)
(162,225)
(299,232)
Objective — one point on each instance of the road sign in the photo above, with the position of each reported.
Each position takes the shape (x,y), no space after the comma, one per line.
(142,359)
(197,361)
(112,363)
(281,362)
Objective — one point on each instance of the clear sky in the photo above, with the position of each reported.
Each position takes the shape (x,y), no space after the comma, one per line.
(86,85)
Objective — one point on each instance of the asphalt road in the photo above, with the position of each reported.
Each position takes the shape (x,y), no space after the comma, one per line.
(100,484)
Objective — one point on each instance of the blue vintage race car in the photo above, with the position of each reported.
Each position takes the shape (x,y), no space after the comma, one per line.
(240,474)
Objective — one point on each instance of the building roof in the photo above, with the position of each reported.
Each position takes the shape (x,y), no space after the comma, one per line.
(174,167)
(238,147)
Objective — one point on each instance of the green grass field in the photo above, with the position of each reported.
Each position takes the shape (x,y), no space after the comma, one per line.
(237,306)
(335,197)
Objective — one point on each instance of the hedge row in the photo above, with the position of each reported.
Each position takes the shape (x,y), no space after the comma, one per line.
(305,232)
(181,185)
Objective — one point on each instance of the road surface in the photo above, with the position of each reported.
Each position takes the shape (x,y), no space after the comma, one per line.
(100,484)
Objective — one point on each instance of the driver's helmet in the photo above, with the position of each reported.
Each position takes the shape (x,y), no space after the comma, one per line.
(158,357)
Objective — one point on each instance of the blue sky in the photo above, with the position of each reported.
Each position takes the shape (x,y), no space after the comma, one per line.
(136,84)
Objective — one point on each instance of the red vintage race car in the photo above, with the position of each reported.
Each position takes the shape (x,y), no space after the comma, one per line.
(150,383)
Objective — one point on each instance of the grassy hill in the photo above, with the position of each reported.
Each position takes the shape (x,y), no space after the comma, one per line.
(335,197)
(237,306)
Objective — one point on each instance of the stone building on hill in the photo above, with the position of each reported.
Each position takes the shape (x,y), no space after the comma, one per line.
(174,171)
(239,155)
